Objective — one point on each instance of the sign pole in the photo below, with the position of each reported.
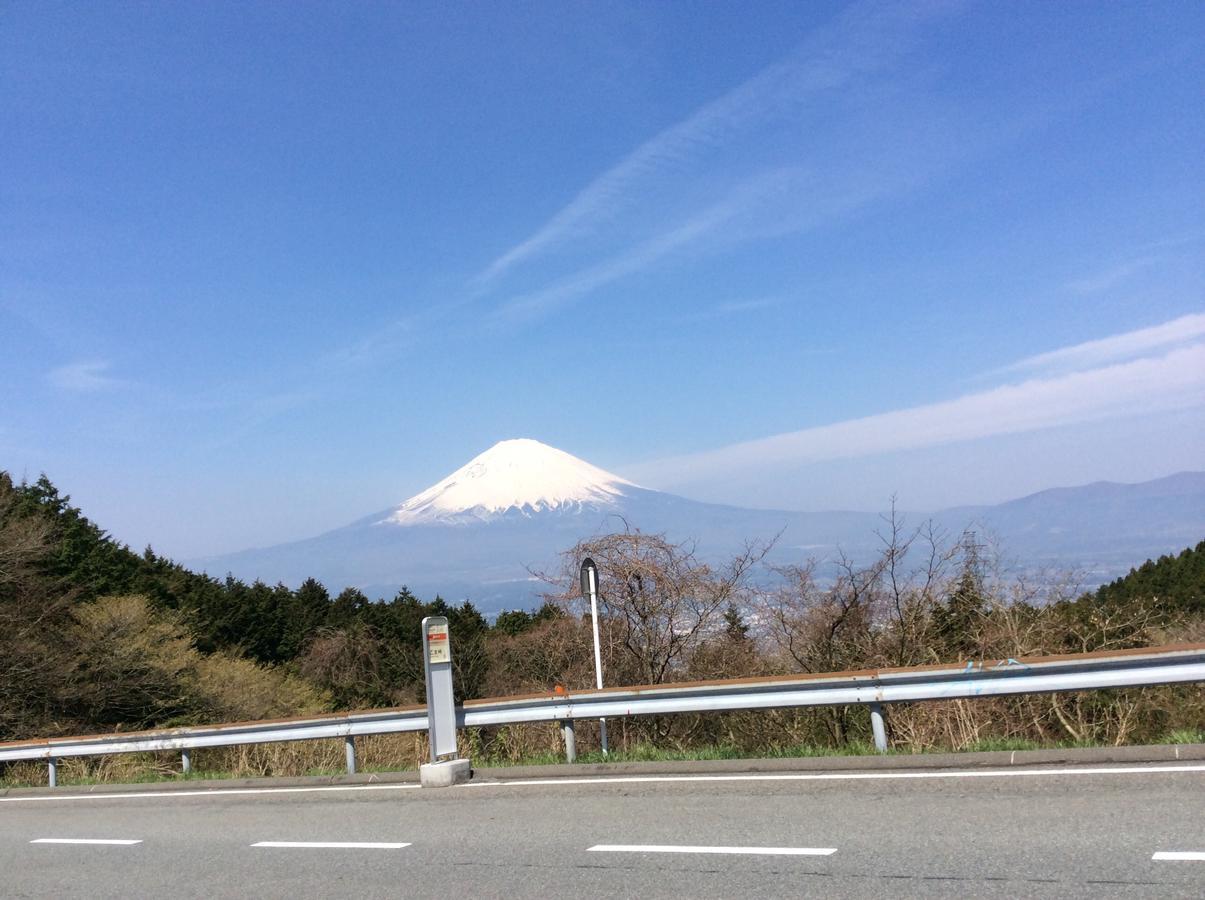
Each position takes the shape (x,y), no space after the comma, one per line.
(445,768)
(590,589)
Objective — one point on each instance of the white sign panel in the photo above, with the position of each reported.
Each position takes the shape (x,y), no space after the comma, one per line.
(437,644)
(441,702)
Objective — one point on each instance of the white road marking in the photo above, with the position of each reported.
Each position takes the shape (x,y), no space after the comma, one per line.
(686,848)
(84,841)
(220,792)
(334,845)
(1186,855)
(845,776)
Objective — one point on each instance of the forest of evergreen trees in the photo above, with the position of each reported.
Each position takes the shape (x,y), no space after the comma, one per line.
(97,637)
(58,570)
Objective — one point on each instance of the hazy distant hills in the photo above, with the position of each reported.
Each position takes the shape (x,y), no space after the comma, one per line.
(519,504)
(1103,523)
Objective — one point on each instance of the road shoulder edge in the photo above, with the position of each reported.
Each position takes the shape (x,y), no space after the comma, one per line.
(991,759)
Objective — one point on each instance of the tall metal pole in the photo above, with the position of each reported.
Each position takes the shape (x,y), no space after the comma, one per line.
(590,584)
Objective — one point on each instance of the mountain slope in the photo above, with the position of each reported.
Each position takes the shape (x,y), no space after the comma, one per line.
(483,530)
(519,475)
(1100,522)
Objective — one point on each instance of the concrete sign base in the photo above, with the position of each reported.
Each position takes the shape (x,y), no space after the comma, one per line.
(444,774)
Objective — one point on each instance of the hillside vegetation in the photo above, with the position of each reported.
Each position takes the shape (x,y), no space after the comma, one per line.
(95,637)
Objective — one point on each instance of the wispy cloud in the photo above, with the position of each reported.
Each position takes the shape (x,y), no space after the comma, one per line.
(1116,347)
(1172,380)
(387,341)
(1107,278)
(656,248)
(743,306)
(86,376)
(766,204)
(732,309)
(1164,250)
(866,37)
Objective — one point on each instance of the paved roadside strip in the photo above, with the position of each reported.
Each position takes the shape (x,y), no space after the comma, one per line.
(604,780)
(1120,758)
(987,759)
(217,785)
(1075,771)
(42,795)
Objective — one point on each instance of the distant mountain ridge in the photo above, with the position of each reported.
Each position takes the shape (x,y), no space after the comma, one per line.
(481,531)
(1101,520)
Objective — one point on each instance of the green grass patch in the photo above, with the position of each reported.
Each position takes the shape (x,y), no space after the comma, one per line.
(651,753)
(1185,736)
(989,744)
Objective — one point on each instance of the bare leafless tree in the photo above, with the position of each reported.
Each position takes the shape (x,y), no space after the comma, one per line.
(657,597)
(825,629)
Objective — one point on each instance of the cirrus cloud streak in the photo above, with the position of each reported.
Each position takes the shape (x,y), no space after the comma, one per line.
(1171,381)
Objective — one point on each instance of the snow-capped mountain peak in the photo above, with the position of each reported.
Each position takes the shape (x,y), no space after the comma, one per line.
(519,475)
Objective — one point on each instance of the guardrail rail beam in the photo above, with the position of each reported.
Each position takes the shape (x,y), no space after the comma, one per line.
(872,688)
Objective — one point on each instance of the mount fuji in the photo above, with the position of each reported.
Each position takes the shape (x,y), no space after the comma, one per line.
(521,477)
(479,533)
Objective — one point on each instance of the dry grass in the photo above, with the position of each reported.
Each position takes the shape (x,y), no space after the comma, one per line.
(374,753)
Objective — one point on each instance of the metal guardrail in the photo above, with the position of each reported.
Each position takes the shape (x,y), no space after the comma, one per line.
(873,688)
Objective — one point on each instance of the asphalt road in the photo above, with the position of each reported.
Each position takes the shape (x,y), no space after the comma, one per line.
(1072,832)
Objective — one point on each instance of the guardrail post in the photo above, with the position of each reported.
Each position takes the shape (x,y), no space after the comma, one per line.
(570,740)
(878,726)
(349,746)
(54,772)
(185,761)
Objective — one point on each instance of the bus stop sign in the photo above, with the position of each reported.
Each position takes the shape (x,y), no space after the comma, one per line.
(441,704)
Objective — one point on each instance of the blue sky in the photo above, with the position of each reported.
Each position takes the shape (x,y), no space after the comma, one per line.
(266,268)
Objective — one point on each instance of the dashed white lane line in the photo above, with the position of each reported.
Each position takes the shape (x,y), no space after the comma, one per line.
(85,841)
(1180,855)
(220,792)
(687,848)
(849,776)
(333,845)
